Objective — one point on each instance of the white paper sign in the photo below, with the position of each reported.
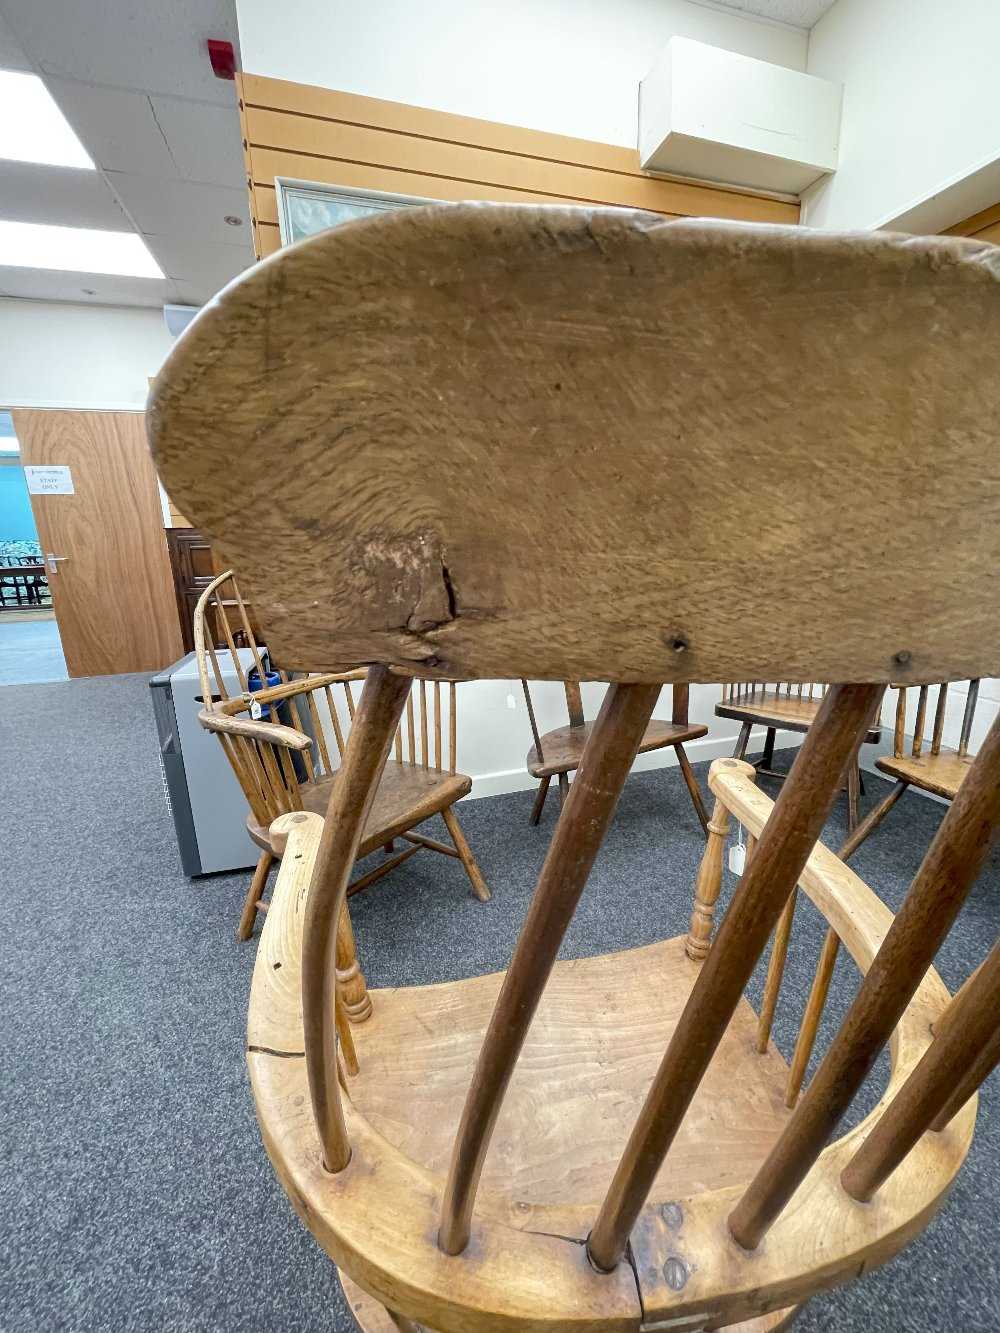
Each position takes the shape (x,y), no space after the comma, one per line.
(49,481)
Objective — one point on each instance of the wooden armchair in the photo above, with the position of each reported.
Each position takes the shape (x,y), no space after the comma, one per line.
(785,706)
(558,753)
(283,767)
(596,1145)
(938,768)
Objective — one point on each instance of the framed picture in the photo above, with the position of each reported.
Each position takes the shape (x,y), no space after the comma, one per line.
(306,207)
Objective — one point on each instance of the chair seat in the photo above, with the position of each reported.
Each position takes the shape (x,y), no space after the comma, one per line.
(565,1118)
(787,711)
(563,747)
(941,774)
(407,795)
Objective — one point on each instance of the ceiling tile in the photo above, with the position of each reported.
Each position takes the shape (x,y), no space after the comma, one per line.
(117,128)
(797,13)
(185,209)
(152,45)
(199,270)
(99,289)
(204,140)
(62,196)
(11,55)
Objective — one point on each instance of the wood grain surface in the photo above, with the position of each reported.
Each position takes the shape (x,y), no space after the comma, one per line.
(113,595)
(448,387)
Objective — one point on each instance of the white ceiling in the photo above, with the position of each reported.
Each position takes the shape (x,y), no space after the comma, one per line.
(797,13)
(133,79)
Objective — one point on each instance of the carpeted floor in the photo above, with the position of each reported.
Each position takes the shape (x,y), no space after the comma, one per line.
(135,1193)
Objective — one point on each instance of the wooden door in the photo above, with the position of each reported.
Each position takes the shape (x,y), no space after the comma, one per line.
(111,589)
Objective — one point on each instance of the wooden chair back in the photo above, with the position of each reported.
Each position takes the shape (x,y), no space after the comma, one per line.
(459,359)
(919,741)
(271,773)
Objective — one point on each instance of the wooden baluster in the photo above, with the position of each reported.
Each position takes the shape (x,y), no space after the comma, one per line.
(338,734)
(767,883)
(980,1069)
(918,726)
(899,733)
(452,728)
(940,1076)
(382,702)
(324,753)
(574,702)
(939,712)
(411,733)
(437,725)
(352,990)
(424,749)
(775,972)
(941,885)
(605,764)
(811,1018)
(970,709)
(708,884)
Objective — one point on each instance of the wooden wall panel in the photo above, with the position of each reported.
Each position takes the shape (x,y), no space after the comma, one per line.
(983,226)
(337,138)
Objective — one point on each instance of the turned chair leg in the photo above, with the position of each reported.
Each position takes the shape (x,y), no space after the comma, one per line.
(536,809)
(351,984)
(853,791)
(563,789)
(465,852)
(744,741)
(693,788)
(871,821)
(255,893)
(767,758)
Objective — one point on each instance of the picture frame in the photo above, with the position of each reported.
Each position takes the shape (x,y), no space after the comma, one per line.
(308,207)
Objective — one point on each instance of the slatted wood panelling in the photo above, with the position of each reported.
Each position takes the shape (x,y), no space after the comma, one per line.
(318,134)
(984,226)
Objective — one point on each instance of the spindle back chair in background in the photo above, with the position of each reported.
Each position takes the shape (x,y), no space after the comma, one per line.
(785,706)
(934,767)
(558,752)
(476,377)
(288,758)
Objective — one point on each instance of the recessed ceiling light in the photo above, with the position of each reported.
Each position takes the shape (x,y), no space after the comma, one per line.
(32,128)
(76,250)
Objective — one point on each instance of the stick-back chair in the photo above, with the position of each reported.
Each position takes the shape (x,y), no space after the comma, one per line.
(786,706)
(596,1144)
(558,752)
(287,759)
(933,767)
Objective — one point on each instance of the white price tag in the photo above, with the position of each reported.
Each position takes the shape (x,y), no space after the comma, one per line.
(255,710)
(738,858)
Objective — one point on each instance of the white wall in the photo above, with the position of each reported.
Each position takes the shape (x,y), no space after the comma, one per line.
(565,66)
(78,356)
(920,112)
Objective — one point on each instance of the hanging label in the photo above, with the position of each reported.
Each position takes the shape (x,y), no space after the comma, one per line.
(256,711)
(738,858)
(49,480)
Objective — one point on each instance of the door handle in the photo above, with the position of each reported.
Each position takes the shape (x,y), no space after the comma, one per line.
(53,561)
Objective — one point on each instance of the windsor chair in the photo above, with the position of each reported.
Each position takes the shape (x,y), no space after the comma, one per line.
(939,769)
(445,387)
(558,753)
(281,767)
(787,707)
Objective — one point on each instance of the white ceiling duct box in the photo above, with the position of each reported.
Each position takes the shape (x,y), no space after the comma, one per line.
(719,116)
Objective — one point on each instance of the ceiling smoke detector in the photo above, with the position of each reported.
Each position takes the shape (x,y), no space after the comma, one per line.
(231,220)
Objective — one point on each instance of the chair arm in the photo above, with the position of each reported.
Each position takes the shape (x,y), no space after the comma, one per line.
(271,733)
(290,690)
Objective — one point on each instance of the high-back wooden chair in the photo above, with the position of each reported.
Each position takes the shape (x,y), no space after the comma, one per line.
(930,766)
(597,1144)
(786,706)
(558,753)
(286,759)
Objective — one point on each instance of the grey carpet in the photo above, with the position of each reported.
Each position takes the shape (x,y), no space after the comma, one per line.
(134,1191)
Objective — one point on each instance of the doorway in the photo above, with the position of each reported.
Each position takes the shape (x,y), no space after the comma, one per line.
(98,541)
(30,645)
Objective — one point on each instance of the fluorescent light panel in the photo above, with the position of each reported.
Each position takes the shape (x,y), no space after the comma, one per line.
(76,250)
(32,128)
